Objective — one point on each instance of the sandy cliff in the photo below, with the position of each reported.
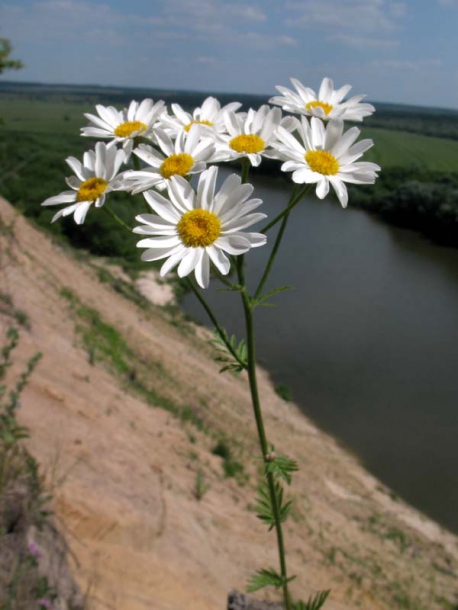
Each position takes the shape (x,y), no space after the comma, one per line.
(123,472)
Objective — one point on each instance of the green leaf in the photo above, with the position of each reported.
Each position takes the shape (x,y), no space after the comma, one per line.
(313,603)
(260,299)
(284,511)
(281,467)
(235,358)
(263,506)
(264,578)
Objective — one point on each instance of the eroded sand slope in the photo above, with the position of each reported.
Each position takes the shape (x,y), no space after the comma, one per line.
(123,473)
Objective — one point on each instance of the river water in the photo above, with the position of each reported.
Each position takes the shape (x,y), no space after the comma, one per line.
(367,341)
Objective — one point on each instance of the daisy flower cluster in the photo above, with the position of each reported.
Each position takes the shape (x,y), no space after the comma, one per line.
(196,224)
(168,158)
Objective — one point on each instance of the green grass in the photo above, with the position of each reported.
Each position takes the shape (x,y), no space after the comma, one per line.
(106,345)
(44,117)
(399,149)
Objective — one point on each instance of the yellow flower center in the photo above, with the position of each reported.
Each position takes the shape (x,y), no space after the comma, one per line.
(317,104)
(248,144)
(127,129)
(322,161)
(91,189)
(180,164)
(199,228)
(189,125)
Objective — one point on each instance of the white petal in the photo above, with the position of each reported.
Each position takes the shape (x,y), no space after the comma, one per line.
(322,188)
(73,182)
(100,159)
(132,110)
(173,260)
(334,132)
(164,142)
(158,253)
(232,124)
(169,241)
(233,244)
(256,239)
(95,132)
(110,115)
(341,191)
(149,155)
(326,89)
(189,261)
(202,270)
(355,151)
(65,211)
(80,212)
(181,194)
(242,222)
(183,116)
(318,133)
(76,167)
(65,197)
(107,127)
(219,259)
(154,225)
(206,189)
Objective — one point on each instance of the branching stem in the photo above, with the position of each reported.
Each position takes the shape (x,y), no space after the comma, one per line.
(248,311)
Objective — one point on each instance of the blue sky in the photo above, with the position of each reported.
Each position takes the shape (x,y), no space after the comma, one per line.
(404,51)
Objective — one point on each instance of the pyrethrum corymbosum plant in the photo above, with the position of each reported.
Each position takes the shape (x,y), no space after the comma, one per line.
(200,229)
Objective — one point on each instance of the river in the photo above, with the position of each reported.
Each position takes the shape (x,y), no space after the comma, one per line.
(367,340)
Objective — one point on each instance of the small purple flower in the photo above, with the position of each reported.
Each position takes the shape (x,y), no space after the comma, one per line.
(34,550)
(44,602)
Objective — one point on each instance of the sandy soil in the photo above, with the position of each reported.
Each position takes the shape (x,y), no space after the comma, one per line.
(123,473)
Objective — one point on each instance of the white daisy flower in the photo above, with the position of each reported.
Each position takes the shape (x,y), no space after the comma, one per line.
(95,177)
(125,125)
(210,115)
(250,135)
(189,154)
(326,156)
(194,228)
(326,105)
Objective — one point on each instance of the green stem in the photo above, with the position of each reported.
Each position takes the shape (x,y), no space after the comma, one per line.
(260,428)
(116,218)
(218,327)
(245,169)
(135,159)
(295,198)
(272,256)
(223,279)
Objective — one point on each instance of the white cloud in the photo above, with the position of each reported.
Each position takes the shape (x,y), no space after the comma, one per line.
(363,42)
(410,66)
(205,60)
(244,12)
(448,2)
(58,21)
(354,15)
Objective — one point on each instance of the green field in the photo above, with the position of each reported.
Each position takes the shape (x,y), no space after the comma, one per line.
(400,149)
(43,117)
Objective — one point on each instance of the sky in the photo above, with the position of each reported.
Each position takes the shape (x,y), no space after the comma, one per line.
(392,51)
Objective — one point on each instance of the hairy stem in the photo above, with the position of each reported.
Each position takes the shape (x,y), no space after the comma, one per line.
(295,198)
(272,256)
(250,340)
(115,217)
(219,329)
